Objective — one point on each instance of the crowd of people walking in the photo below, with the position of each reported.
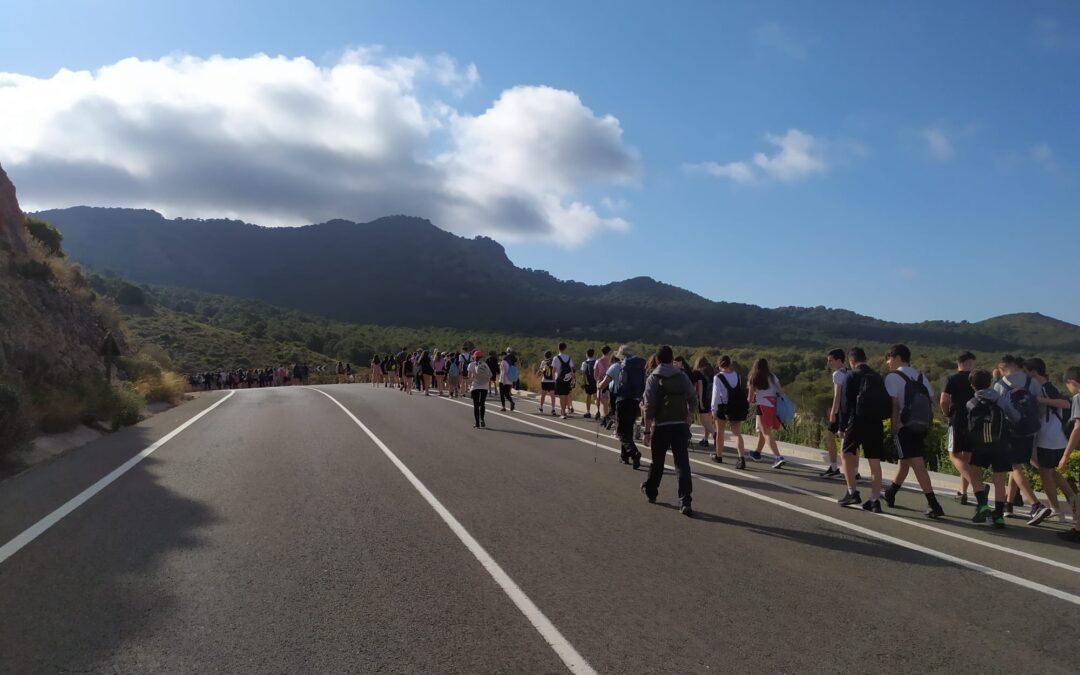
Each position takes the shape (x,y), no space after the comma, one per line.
(1000,421)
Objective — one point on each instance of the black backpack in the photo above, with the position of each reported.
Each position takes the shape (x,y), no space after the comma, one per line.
(872,402)
(565,368)
(917,412)
(590,374)
(738,401)
(674,400)
(987,426)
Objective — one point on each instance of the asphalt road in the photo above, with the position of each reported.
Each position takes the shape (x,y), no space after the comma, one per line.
(281,532)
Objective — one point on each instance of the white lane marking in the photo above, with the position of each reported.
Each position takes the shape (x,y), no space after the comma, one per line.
(34,531)
(898,519)
(574,661)
(997,574)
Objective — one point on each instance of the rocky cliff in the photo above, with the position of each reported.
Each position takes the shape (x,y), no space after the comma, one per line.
(51,324)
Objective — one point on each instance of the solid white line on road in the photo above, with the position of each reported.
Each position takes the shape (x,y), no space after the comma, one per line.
(997,574)
(574,661)
(898,519)
(34,531)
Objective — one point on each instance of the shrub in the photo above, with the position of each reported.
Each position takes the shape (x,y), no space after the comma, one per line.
(59,413)
(166,387)
(131,295)
(118,404)
(15,427)
(35,270)
(47,234)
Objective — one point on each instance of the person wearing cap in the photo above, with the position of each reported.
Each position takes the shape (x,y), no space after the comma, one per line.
(626,391)
(480,377)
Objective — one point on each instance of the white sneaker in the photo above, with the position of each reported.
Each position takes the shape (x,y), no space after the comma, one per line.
(780,461)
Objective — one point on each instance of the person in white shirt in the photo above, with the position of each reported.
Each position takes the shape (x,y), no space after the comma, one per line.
(1050,442)
(908,439)
(1022,448)
(729,407)
(564,378)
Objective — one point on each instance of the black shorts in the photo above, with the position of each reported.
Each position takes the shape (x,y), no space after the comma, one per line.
(1021,449)
(547,386)
(958,440)
(840,424)
(909,445)
(722,413)
(994,457)
(429,371)
(562,388)
(868,434)
(1049,459)
(590,389)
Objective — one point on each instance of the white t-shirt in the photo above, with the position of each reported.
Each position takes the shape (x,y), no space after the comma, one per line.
(543,367)
(767,397)
(894,384)
(1051,436)
(1075,413)
(719,391)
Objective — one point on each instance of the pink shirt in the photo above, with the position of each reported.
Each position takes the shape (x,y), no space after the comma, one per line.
(601,367)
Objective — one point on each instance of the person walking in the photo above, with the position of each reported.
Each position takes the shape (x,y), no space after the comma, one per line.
(730,406)
(670,401)
(764,390)
(564,379)
(953,403)
(507,375)
(702,379)
(626,382)
(479,382)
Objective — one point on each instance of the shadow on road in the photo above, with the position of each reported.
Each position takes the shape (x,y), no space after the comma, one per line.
(75,595)
(848,544)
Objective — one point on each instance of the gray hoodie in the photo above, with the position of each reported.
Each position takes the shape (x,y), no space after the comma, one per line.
(1003,402)
(678,382)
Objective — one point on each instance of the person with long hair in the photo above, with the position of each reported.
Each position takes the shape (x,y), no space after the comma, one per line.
(730,407)
(376,371)
(764,390)
(438,363)
(702,378)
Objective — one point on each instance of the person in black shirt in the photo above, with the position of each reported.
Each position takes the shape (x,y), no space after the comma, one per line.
(954,399)
(865,431)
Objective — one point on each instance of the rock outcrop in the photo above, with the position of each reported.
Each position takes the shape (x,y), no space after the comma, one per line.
(50,326)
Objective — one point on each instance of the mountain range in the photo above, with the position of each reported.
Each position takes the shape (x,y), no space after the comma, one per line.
(405,271)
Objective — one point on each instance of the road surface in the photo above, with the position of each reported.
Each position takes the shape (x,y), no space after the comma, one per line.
(351,529)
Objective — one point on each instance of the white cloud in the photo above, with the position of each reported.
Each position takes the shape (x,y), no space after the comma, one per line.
(799,155)
(937,143)
(278,141)
(785,40)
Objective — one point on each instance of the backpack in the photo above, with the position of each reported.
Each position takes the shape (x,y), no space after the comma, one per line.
(631,379)
(1028,407)
(738,401)
(674,403)
(512,369)
(1063,414)
(785,409)
(872,401)
(453,370)
(546,371)
(482,371)
(917,412)
(986,424)
(590,375)
(566,371)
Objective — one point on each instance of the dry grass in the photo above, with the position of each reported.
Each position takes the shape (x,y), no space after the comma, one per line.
(166,387)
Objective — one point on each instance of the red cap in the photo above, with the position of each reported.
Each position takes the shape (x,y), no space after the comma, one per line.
(478,354)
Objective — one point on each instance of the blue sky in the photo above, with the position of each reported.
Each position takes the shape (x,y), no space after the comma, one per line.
(939,141)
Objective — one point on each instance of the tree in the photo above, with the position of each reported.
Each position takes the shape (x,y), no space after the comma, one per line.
(131,295)
(46,234)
